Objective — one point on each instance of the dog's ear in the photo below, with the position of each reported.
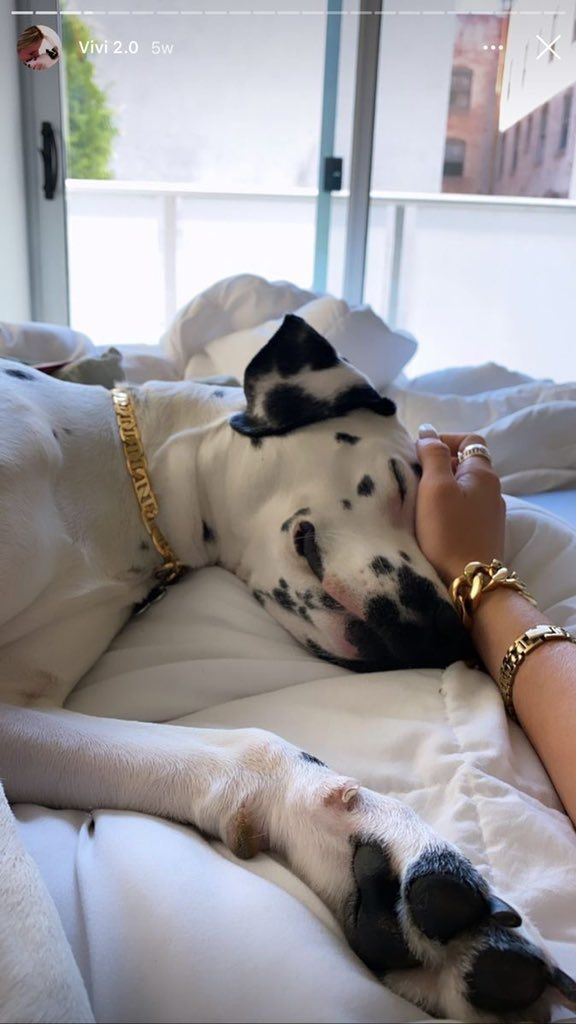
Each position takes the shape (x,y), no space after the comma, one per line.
(298,379)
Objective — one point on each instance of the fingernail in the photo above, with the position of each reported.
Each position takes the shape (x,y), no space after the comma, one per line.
(427,430)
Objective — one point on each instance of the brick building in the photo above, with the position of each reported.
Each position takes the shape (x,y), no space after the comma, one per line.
(472,127)
(511,126)
(536,155)
(537,139)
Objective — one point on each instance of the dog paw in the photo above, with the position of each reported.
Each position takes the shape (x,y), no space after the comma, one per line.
(435,899)
(439,937)
(413,909)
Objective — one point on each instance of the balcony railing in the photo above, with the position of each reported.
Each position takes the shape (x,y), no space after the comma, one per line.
(474,278)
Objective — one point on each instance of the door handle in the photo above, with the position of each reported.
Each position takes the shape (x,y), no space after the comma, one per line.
(49,154)
(333,166)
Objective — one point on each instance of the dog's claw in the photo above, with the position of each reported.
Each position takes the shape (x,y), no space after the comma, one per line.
(344,793)
(503,913)
(349,794)
(565,986)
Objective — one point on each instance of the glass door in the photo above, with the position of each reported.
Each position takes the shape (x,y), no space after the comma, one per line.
(192,152)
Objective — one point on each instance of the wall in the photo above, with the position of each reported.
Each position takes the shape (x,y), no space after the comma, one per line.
(14,287)
(550,174)
(531,77)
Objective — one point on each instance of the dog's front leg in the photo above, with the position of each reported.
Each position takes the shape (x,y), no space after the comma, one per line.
(202,777)
(411,906)
(248,787)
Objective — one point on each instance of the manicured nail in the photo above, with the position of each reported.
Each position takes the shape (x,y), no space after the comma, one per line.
(427,430)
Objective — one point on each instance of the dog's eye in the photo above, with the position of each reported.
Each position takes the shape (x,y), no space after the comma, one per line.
(398,474)
(303,530)
(307,547)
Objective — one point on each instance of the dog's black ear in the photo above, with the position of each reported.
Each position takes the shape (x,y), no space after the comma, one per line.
(298,378)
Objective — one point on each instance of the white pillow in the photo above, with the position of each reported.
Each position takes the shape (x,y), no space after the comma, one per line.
(231,305)
(467,380)
(220,330)
(43,343)
(356,333)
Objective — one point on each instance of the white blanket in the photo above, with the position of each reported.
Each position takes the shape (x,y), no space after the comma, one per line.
(529,427)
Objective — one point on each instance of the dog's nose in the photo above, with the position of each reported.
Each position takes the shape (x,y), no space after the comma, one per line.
(421,632)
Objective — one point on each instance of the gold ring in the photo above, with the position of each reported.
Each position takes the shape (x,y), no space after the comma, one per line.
(474,449)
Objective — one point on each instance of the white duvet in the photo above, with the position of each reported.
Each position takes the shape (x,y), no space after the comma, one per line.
(167,926)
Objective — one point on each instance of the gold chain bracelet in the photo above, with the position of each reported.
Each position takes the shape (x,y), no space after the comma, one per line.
(478,579)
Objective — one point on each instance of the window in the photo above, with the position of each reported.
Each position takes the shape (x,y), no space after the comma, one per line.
(460,88)
(454,155)
(525,64)
(542,127)
(502,155)
(565,123)
(528,133)
(509,88)
(515,147)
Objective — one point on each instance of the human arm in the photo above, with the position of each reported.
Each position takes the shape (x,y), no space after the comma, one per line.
(460,517)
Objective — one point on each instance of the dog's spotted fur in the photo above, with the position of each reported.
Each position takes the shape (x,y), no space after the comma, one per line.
(279,398)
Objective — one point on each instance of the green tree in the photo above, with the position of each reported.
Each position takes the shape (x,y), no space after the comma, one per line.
(90,125)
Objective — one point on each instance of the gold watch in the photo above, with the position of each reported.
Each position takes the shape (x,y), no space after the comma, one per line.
(519,651)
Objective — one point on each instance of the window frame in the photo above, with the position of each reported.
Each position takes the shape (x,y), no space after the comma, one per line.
(542,135)
(460,144)
(565,121)
(466,75)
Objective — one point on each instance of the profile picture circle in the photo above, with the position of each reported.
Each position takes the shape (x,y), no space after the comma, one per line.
(39,47)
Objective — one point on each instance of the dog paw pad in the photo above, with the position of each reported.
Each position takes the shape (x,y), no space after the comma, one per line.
(374,932)
(506,979)
(445,895)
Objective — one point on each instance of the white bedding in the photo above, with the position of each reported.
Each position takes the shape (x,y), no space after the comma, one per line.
(167,926)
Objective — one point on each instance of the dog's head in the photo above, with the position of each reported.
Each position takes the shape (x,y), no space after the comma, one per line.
(326,477)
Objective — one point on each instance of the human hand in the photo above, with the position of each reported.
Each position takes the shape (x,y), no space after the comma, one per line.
(460,512)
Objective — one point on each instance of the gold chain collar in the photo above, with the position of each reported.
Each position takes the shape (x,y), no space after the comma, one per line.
(171,569)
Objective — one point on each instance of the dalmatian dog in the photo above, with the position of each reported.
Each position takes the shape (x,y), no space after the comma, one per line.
(304,486)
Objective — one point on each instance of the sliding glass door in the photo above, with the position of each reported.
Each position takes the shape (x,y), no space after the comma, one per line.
(193,152)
